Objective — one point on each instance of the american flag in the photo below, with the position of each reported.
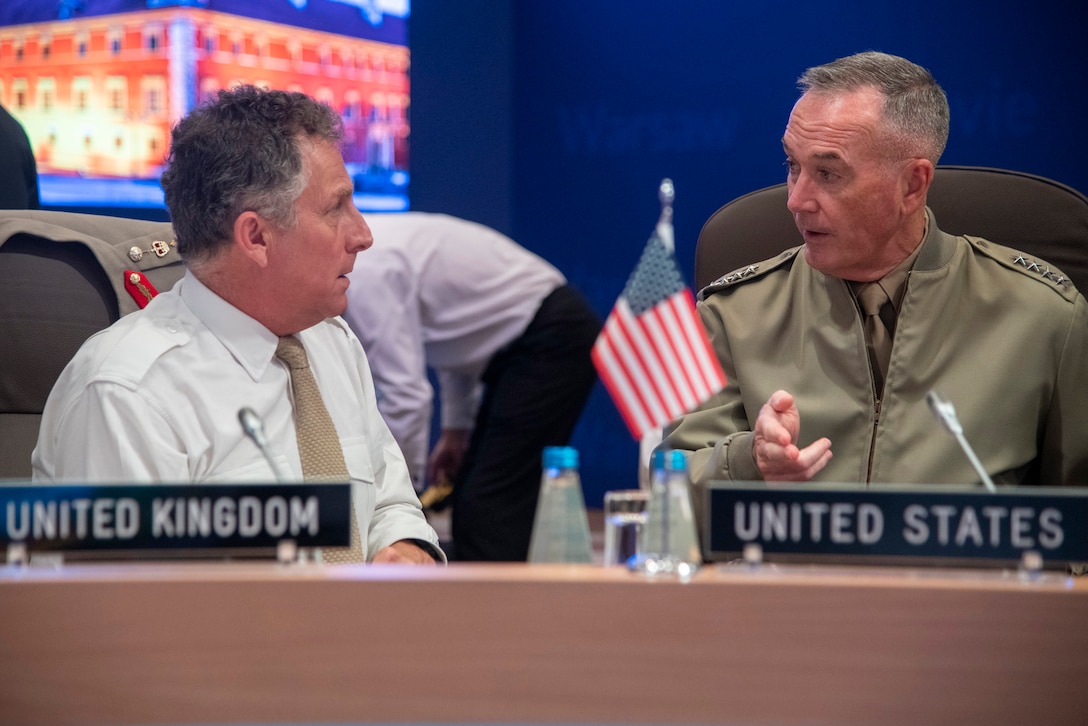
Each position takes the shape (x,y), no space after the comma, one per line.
(653,354)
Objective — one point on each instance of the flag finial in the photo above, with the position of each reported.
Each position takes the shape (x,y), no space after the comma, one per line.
(666,193)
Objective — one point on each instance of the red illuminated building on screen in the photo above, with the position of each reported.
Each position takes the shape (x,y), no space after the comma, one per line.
(98,95)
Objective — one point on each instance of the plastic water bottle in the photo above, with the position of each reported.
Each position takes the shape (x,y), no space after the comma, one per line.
(561,527)
(670,544)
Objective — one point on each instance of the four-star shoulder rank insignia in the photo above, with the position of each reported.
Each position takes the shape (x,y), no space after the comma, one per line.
(740,274)
(1045,272)
(749,272)
(139,287)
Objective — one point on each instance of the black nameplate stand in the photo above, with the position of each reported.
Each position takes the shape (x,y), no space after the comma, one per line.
(51,523)
(949,525)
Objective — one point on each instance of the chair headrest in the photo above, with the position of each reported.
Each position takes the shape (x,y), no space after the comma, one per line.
(1023,211)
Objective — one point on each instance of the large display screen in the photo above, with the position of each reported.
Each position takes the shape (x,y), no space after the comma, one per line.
(98,84)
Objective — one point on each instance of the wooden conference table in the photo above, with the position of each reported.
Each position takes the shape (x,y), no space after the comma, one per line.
(225,643)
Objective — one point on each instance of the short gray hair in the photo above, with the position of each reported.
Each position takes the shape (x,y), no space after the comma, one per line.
(241,152)
(915,106)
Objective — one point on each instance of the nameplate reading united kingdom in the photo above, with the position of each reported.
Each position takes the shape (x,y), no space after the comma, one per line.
(896,523)
(174,517)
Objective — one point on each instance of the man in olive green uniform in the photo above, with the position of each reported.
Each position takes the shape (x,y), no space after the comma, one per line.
(819,390)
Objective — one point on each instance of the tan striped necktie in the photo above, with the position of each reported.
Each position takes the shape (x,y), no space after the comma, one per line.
(318,443)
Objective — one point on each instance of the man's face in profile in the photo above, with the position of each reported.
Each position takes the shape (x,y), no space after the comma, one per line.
(312,259)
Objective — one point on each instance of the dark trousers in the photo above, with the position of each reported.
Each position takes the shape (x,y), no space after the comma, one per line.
(534,392)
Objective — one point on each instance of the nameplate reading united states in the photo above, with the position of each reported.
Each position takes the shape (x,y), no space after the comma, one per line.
(897,523)
(174,517)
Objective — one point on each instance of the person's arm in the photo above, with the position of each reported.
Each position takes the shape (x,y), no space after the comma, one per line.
(398,515)
(397,519)
(1063,450)
(108,433)
(723,445)
(406,401)
(460,396)
(716,434)
(383,311)
(448,454)
(405,552)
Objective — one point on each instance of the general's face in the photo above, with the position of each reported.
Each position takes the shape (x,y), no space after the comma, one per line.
(845,196)
(311,261)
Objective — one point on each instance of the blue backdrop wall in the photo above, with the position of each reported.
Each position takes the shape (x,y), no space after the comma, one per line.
(555,120)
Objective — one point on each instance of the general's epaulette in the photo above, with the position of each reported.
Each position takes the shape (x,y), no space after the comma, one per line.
(748,272)
(1025,264)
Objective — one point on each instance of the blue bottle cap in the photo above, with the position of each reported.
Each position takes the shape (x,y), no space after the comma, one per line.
(676,461)
(560,457)
(673,460)
(657,460)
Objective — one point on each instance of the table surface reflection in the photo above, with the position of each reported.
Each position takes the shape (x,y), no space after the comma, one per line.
(219,643)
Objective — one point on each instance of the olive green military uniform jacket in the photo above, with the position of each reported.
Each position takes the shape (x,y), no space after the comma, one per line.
(63,277)
(1000,335)
(119,245)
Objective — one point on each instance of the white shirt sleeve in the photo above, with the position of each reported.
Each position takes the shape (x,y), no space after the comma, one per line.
(111,433)
(460,395)
(387,322)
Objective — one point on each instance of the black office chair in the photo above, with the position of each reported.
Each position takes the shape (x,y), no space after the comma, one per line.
(62,280)
(1033,214)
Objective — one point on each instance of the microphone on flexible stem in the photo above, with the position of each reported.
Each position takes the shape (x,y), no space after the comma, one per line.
(254,429)
(946,414)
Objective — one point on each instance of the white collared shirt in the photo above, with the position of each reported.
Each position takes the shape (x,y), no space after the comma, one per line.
(155,398)
(440,292)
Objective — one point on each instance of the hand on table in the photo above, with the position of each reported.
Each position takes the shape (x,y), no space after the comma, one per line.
(403,552)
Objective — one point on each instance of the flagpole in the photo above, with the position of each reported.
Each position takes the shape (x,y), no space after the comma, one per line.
(666,194)
(653,354)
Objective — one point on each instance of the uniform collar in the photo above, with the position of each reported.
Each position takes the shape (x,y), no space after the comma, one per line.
(937,248)
(895,282)
(249,342)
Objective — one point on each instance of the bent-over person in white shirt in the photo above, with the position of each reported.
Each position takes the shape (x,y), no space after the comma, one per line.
(509,341)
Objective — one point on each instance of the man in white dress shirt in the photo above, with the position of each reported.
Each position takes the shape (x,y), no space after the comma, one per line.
(509,342)
(263,213)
